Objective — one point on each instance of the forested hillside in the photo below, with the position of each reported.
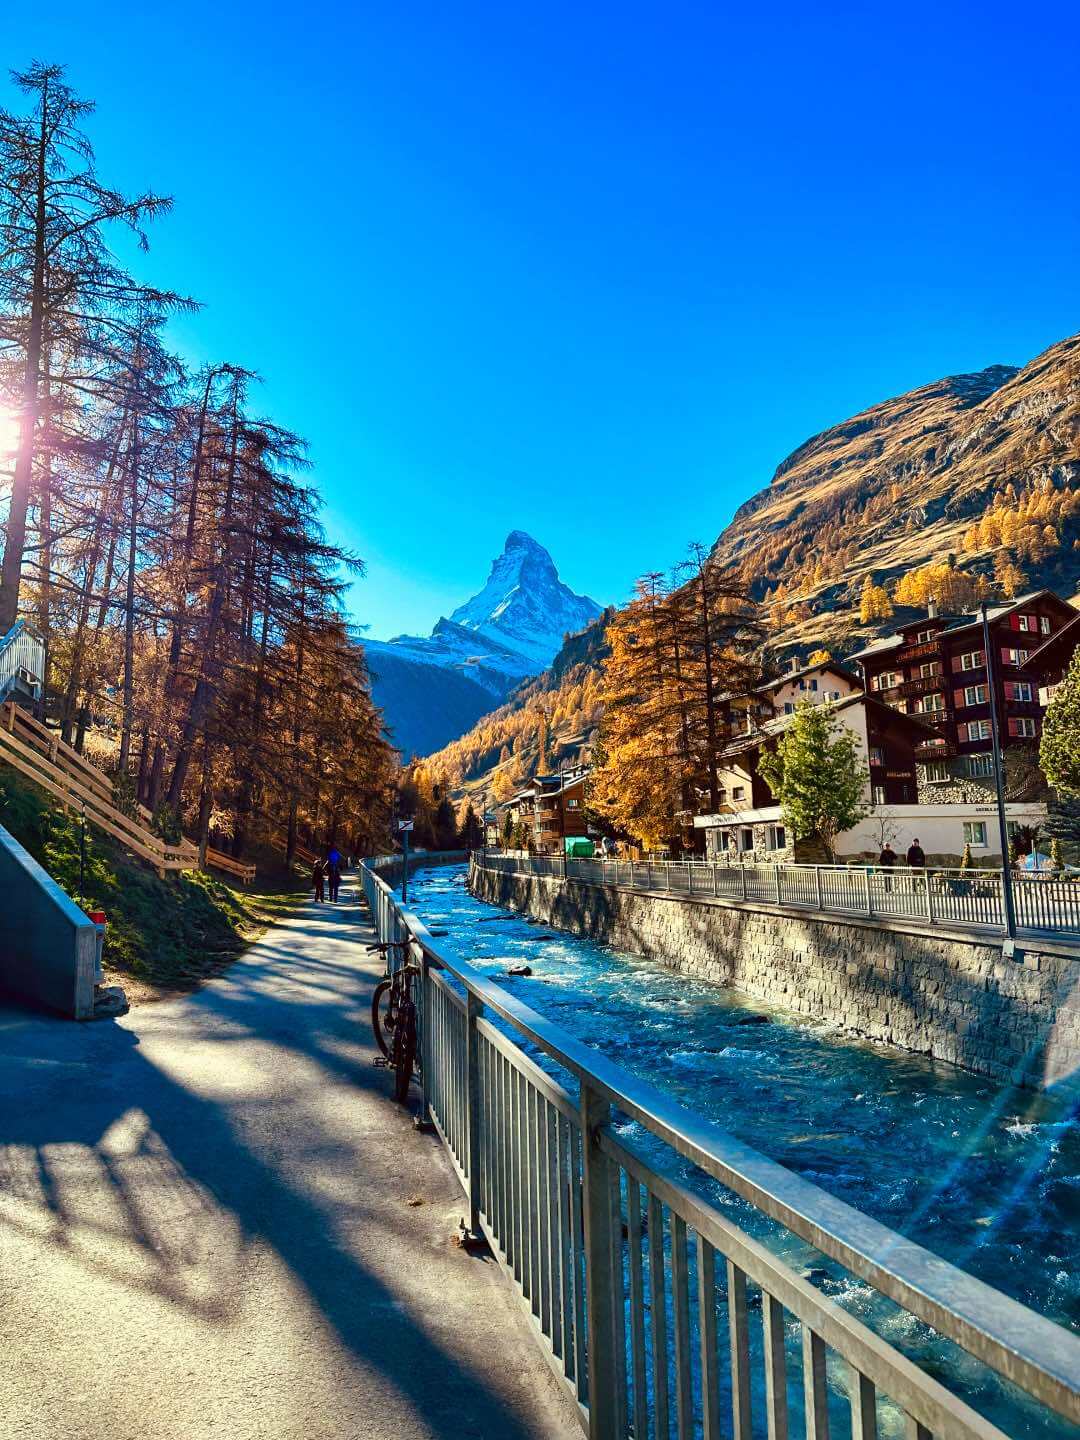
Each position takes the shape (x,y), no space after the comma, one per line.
(546,720)
(984,468)
(163,538)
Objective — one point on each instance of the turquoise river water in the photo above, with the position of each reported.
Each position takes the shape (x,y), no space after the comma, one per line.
(988,1177)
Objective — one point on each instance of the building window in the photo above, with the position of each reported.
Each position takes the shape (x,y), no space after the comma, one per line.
(980,767)
(975,832)
(887,680)
(929,703)
(813,684)
(789,708)
(572,804)
(1044,624)
(777,837)
(738,792)
(1012,656)
(877,794)
(1018,690)
(928,670)
(721,796)
(1022,726)
(937,773)
(973,660)
(924,637)
(877,755)
(975,695)
(1026,622)
(746,839)
(975,730)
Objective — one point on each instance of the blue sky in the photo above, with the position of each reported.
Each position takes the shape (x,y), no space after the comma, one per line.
(589,271)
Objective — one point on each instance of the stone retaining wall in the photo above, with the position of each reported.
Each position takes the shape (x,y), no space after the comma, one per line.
(955,999)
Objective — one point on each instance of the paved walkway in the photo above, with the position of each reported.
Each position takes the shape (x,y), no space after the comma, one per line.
(215,1222)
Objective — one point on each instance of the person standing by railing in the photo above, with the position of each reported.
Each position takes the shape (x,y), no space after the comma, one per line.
(916,855)
(887,859)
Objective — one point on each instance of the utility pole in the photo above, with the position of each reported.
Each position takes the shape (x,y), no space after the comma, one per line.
(999,785)
(405,827)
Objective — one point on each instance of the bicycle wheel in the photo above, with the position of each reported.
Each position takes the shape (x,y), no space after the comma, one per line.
(404,1051)
(383,1015)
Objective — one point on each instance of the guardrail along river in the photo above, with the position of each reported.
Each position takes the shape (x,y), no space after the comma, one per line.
(988,1177)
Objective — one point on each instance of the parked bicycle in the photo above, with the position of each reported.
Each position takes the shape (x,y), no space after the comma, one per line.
(394,1016)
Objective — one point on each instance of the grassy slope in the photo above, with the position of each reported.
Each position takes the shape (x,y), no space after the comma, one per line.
(162,934)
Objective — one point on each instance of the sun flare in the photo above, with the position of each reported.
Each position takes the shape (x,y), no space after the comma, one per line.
(9,432)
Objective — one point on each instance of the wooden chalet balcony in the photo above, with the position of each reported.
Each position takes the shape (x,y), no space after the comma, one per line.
(928,650)
(935,750)
(921,685)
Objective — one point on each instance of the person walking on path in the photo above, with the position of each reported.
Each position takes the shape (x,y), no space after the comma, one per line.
(318,880)
(916,856)
(887,859)
(333,874)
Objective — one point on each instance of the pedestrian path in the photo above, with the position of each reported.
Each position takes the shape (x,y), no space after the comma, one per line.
(215,1222)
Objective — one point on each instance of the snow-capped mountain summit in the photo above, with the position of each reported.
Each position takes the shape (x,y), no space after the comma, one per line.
(524,605)
(433,687)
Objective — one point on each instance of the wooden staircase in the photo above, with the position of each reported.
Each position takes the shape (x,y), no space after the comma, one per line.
(38,753)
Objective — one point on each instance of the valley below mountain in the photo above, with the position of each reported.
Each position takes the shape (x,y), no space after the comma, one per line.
(971,482)
(432,688)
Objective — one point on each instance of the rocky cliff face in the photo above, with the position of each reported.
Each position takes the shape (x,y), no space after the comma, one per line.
(432,688)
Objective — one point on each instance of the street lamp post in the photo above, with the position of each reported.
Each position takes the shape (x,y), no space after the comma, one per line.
(999,785)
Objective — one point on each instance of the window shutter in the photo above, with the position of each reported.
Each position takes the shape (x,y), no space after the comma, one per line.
(1010,690)
(1014,727)
(1014,622)
(957,662)
(962,733)
(958,698)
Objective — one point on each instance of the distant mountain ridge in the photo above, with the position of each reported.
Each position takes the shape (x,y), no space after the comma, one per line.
(431,688)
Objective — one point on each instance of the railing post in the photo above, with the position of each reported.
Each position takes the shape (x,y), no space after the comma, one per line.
(742,877)
(820,897)
(425,991)
(598,1177)
(929,897)
(473,1010)
(779,893)
(866,884)
(715,880)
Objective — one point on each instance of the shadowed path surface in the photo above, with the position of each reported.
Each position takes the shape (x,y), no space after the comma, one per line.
(206,1227)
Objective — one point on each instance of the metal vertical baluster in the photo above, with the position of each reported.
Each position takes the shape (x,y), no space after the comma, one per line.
(577,1240)
(739,1332)
(710,1376)
(637,1309)
(863,1407)
(776,1409)
(815,1392)
(606,1403)
(658,1317)
(680,1305)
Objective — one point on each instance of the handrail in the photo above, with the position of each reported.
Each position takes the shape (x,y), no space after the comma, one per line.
(1019,1344)
(941,896)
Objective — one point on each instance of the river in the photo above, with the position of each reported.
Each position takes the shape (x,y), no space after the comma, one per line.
(987,1176)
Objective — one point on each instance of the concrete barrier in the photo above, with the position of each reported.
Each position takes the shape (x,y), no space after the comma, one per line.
(48,949)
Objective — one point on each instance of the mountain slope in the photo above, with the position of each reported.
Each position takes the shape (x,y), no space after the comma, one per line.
(899,486)
(432,688)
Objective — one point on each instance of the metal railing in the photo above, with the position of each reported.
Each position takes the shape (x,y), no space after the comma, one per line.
(959,899)
(633,1280)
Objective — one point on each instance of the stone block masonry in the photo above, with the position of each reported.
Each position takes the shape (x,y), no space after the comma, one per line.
(950,997)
